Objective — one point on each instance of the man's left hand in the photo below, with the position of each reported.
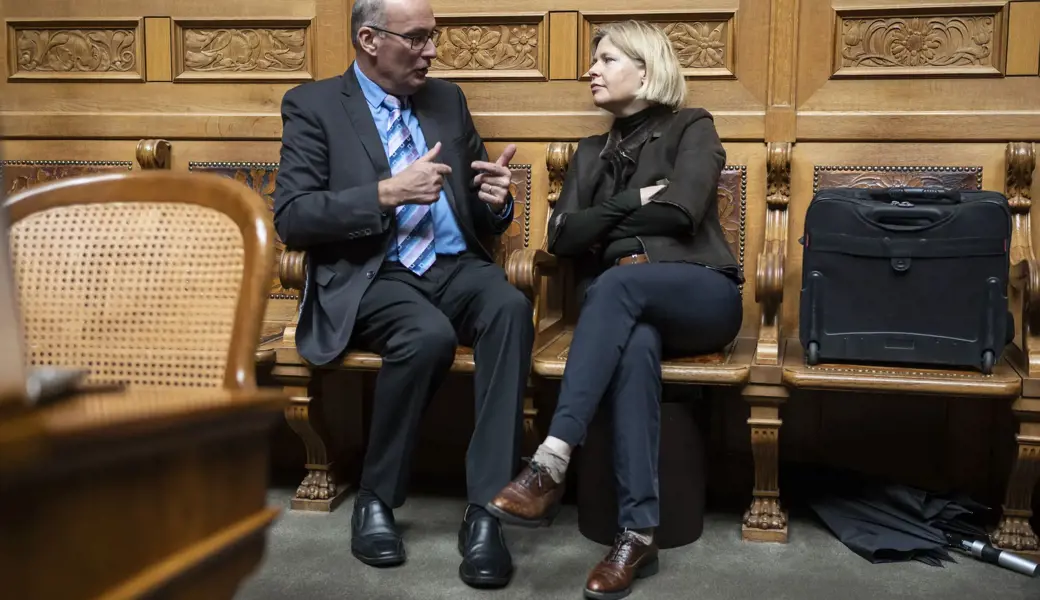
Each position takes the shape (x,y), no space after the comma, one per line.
(492,180)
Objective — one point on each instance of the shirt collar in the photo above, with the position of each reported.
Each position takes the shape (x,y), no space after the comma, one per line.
(373,93)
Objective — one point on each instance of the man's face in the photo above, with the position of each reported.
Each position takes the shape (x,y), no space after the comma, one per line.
(404,51)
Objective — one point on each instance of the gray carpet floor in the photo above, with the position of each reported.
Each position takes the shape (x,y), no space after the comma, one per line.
(308,556)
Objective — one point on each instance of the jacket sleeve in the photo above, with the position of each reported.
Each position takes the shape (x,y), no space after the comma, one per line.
(306,212)
(655,218)
(693,184)
(573,230)
(487,221)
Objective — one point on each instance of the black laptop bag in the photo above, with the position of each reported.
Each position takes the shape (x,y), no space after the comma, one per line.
(906,276)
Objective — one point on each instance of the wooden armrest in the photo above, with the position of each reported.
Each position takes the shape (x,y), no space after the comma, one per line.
(292,269)
(525,267)
(769,278)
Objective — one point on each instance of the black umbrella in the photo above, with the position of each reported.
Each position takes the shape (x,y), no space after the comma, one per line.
(886,522)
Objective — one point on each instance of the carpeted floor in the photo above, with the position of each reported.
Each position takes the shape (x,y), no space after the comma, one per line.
(309,557)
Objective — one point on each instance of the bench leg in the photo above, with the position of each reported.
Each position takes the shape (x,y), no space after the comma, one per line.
(765,520)
(319,491)
(1014,532)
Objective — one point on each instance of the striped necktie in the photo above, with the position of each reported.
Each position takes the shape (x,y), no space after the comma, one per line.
(415,248)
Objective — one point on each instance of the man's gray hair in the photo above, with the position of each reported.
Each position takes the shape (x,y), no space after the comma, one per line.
(366,13)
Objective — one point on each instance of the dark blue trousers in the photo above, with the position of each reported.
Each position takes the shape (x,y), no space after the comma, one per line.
(631,316)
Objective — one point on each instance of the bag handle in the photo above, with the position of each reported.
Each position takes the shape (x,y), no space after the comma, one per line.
(922,194)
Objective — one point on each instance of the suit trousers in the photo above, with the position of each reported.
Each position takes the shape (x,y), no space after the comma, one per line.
(415,323)
(631,316)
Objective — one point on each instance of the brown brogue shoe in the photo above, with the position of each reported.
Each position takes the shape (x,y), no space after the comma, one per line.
(627,561)
(530,500)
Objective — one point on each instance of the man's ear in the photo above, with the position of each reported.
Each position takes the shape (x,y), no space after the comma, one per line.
(367,41)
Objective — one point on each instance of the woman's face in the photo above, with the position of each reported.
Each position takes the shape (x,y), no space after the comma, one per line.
(616,79)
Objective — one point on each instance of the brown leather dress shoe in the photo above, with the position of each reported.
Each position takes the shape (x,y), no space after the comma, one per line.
(627,561)
(530,500)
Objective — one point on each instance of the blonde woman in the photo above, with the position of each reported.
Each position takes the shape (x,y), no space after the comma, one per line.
(638,215)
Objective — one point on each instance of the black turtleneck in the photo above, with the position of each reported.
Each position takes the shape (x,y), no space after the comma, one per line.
(617,215)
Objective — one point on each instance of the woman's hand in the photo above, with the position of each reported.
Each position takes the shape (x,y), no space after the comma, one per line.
(648,192)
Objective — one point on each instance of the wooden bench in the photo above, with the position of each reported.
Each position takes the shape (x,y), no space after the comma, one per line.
(729,367)
(321,490)
(783,367)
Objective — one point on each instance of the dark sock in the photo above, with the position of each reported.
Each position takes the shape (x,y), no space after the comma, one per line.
(366,495)
(473,511)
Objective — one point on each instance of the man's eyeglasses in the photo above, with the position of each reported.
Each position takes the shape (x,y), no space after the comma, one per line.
(415,42)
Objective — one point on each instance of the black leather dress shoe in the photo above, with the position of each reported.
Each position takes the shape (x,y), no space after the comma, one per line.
(486,562)
(374,539)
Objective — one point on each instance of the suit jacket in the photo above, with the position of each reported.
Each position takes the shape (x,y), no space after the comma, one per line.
(678,149)
(326,199)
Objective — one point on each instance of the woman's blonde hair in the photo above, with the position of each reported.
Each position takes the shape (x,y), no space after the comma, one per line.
(650,47)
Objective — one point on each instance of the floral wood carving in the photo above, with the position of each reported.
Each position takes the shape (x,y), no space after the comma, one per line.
(928,43)
(260,177)
(96,51)
(475,47)
(955,178)
(228,50)
(699,44)
(20,175)
(704,45)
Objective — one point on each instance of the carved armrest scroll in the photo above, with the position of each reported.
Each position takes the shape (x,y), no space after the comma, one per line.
(292,269)
(769,278)
(526,267)
(153,154)
(1025,271)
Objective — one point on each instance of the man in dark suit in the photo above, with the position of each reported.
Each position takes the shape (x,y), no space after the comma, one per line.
(385,181)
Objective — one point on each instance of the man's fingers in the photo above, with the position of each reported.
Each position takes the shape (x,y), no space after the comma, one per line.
(432,154)
(489,167)
(507,155)
(441,168)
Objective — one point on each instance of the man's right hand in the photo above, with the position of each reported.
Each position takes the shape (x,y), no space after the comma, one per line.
(419,183)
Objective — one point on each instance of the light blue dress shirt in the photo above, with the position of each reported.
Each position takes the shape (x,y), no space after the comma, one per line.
(447,234)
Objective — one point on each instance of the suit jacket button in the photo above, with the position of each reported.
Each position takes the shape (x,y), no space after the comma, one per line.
(370,274)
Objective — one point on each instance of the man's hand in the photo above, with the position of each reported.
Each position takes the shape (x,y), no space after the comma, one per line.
(492,181)
(419,183)
(646,193)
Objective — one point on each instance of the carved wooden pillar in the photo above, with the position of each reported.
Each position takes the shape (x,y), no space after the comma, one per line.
(1014,531)
(153,154)
(765,520)
(320,490)
(769,278)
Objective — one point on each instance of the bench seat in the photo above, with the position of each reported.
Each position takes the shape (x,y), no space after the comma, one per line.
(1005,382)
(731,366)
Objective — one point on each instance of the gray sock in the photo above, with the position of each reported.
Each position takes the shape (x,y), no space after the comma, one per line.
(553,463)
(643,536)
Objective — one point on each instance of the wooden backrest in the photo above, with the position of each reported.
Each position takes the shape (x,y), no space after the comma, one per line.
(152,279)
(261,176)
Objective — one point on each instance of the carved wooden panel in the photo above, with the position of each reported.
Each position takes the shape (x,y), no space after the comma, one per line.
(260,177)
(75,50)
(518,235)
(17,175)
(732,205)
(490,47)
(955,178)
(703,41)
(956,40)
(238,49)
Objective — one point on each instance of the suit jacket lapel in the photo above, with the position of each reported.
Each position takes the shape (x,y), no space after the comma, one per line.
(361,117)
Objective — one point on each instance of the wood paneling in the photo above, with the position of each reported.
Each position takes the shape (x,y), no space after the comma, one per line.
(158,48)
(844,89)
(1023,57)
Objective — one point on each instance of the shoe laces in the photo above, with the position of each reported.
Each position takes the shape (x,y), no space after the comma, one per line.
(624,546)
(534,475)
